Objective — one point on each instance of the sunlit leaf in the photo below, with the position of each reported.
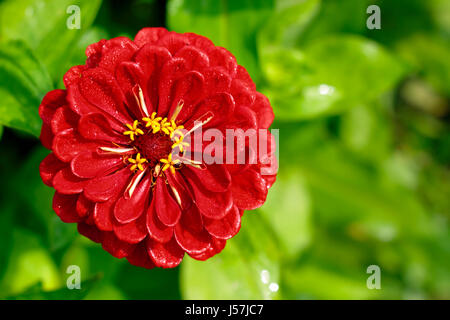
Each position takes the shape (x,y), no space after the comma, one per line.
(23,83)
(248,267)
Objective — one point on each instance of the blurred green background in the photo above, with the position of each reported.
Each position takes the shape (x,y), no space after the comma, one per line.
(364,150)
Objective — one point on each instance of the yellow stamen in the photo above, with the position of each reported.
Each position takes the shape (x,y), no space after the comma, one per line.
(137,163)
(180,143)
(134,130)
(169,163)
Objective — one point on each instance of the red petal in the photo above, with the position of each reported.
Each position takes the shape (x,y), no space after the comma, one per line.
(101,189)
(46,136)
(221,105)
(224,228)
(73,75)
(217,80)
(249,190)
(65,207)
(66,182)
(223,58)
(130,76)
(242,94)
(139,257)
(95,126)
(166,207)
(263,110)
(84,206)
(171,70)
(155,228)
(243,75)
(115,51)
(187,90)
(103,214)
(129,209)
(90,232)
(49,167)
(100,88)
(68,144)
(133,232)
(214,248)
(195,59)
(173,41)
(213,205)
(63,119)
(149,36)
(213,177)
(190,234)
(51,101)
(91,164)
(117,248)
(178,185)
(164,255)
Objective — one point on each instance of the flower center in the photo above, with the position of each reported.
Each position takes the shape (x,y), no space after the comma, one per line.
(153,147)
(155,139)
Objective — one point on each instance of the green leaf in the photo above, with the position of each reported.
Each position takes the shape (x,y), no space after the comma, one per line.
(248,267)
(329,75)
(230,24)
(288,211)
(43,25)
(23,83)
(28,265)
(429,56)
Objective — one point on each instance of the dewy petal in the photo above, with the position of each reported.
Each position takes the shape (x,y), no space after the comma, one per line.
(166,207)
(214,205)
(171,71)
(156,229)
(63,119)
(67,144)
(242,94)
(187,90)
(130,78)
(139,257)
(149,36)
(65,182)
(223,58)
(164,255)
(224,228)
(50,103)
(263,110)
(215,246)
(103,214)
(91,164)
(249,190)
(101,189)
(220,105)
(49,167)
(128,209)
(118,248)
(84,206)
(190,234)
(65,207)
(115,51)
(133,232)
(100,88)
(95,126)
(195,58)
(214,177)
(173,42)
(90,232)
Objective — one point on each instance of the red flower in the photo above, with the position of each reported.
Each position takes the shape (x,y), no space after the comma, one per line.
(122,136)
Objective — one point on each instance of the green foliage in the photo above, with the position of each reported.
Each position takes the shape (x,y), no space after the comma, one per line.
(23,83)
(364,140)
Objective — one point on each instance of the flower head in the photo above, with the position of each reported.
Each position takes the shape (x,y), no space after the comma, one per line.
(123,141)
